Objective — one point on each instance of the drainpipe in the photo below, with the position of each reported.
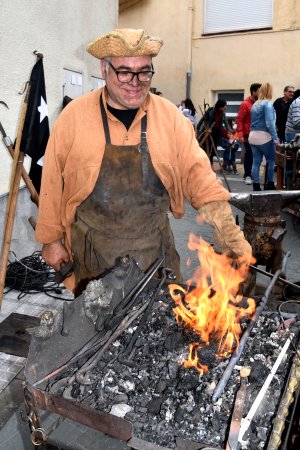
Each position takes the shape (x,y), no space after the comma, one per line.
(189,47)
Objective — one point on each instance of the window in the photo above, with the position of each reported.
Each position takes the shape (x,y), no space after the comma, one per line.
(73,84)
(233,99)
(96,83)
(221,16)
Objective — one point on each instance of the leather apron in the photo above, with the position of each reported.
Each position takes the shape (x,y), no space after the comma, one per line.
(125,214)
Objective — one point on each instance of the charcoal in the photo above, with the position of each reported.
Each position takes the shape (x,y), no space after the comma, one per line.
(75,391)
(179,414)
(168,400)
(121,398)
(155,404)
(146,350)
(216,425)
(258,373)
(144,383)
(174,341)
(173,367)
(161,386)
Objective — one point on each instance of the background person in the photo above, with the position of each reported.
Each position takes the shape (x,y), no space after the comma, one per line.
(281,106)
(118,159)
(215,120)
(188,109)
(243,122)
(263,136)
(293,118)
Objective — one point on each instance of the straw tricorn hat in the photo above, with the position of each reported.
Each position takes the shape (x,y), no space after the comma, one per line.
(125,42)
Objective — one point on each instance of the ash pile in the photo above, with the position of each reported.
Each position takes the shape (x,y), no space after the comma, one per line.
(165,401)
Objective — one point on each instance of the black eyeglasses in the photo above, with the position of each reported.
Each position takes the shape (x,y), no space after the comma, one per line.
(125,76)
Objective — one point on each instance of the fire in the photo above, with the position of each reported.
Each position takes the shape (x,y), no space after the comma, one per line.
(211,309)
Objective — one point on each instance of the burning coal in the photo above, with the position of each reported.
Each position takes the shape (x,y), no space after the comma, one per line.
(212,310)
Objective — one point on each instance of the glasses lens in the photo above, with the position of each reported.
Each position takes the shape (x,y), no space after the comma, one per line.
(145,76)
(124,77)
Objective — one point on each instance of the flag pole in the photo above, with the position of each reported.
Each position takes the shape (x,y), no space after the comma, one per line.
(13,194)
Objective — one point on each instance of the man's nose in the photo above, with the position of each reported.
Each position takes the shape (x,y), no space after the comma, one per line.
(135,80)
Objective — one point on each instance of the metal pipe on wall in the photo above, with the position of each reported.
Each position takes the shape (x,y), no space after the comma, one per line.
(189,47)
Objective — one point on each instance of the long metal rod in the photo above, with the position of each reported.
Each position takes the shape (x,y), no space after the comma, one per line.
(236,356)
(271,275)
(245,424)
(81,375)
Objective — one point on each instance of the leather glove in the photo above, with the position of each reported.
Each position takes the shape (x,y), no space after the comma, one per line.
(227,235)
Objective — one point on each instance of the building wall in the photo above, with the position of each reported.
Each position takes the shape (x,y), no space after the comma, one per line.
(58,29)
(218,62)
(168,20)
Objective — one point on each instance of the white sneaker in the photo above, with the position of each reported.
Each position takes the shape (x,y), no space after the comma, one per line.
(248,180)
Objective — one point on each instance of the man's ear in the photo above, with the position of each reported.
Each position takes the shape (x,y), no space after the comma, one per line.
(103,69)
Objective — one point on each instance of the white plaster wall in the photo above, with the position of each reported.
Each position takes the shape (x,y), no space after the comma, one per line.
(60,29)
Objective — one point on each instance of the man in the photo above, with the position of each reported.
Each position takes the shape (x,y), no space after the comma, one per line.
(293,118)
(118,159)
(281,106)
(243,122)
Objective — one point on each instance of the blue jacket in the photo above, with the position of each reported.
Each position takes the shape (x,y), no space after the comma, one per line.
(263,118)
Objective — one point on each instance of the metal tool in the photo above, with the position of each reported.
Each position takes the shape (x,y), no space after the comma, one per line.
(245,423)
(65,271)
(126,356)
(237,354)
(130,300)
(271,275)
(238,410)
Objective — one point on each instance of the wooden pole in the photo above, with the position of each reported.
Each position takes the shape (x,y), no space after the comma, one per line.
(210,147)
(13,195)
(27,180)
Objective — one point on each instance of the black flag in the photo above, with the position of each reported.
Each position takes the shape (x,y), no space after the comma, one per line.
(36,126)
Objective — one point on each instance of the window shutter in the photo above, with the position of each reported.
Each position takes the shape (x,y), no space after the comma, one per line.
(234,15)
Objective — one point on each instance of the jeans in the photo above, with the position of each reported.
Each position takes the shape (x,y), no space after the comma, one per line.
(248,159)
(267,150)
(230,150)
(289,136)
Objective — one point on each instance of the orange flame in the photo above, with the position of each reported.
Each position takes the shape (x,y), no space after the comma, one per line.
(211,309)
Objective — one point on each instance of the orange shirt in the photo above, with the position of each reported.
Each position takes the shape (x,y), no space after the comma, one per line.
(75,150)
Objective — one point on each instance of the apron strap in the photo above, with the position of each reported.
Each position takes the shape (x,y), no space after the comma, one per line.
(143,145)
(144,152)
(104,121)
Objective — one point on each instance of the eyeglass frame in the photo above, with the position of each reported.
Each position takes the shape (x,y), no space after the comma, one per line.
(133,74)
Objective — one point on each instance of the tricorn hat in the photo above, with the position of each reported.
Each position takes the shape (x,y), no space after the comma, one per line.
(125,42)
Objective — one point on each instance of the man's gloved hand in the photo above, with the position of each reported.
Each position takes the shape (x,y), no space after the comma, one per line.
(227,235)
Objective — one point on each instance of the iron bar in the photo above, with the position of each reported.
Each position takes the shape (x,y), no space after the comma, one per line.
(81,375)
(237,354)
(125,356)
(271,275)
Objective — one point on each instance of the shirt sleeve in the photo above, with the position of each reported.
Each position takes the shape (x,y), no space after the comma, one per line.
(270,120)
(49,226)
(240,120)
(295,116)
